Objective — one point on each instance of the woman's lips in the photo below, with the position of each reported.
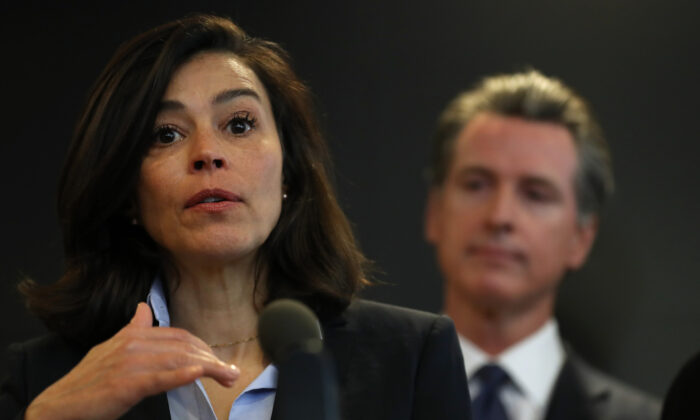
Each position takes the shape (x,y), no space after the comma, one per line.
(212,199)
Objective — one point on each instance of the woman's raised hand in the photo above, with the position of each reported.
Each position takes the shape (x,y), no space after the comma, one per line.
(139,361)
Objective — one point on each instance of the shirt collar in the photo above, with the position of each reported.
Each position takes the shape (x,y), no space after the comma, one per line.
(533,364)
(265,381)
(156,300)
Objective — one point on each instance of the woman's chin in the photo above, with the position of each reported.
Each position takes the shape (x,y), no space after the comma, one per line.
(213,256)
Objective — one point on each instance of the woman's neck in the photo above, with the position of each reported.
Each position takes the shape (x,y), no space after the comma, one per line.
(219,304)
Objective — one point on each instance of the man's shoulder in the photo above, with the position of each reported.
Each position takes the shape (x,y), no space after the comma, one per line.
(611,398)
(680,400)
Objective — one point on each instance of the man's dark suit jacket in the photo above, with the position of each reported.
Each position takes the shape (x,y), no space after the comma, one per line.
(391,363)
(584,393)
(683,398)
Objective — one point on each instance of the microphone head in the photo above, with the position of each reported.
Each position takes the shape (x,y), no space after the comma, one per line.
(285,326)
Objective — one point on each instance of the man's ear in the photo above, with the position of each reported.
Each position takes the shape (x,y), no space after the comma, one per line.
(433,215)
(582,241)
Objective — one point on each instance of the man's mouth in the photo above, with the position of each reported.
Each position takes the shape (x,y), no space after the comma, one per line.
(496,252)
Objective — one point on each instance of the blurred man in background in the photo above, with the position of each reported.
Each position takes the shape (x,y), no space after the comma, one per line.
(519,173)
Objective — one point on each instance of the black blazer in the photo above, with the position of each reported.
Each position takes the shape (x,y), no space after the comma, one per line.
(392,364)
(584,393)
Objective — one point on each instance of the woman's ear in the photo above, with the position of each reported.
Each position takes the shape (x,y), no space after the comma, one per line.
(131,213)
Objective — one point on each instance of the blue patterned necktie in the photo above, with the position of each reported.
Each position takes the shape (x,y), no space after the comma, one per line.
(487,405)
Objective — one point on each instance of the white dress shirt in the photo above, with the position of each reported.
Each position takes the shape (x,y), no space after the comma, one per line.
(533,365)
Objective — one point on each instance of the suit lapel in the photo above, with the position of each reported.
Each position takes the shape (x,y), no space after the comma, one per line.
(570,400)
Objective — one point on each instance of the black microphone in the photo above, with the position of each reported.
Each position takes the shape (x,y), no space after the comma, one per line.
(290,336)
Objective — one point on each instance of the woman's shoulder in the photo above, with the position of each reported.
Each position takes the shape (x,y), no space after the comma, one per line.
(51,345)
(397,363)
(385,318)
(361,307)
(40,361)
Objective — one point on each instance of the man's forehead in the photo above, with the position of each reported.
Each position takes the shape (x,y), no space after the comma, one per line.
(517,147)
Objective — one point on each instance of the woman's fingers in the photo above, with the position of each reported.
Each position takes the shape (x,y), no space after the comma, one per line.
(155,363)
(156,382)
(136,330)
(177,377)
(163,340)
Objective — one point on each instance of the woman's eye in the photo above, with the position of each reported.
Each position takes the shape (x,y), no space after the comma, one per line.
(241,124)
(166,135)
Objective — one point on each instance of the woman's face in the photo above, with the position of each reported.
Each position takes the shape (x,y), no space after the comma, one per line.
(210,188)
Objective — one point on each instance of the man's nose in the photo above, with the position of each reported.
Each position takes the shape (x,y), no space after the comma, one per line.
(206,153)
(502,210)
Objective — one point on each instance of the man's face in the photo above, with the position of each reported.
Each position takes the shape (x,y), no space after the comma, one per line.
(504,222)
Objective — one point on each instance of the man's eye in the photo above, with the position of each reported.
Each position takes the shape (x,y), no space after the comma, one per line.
(538,195)
(166,135)
(241,123)
(473,184)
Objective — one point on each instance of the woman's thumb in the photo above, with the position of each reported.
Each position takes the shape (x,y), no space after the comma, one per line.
(143,316)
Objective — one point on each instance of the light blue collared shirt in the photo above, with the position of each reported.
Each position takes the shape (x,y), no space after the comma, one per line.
(190,402)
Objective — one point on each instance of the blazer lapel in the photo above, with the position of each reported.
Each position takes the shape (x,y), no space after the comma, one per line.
(338,344)
(150,408)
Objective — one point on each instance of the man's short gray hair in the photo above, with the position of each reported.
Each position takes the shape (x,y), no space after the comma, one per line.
(533,96)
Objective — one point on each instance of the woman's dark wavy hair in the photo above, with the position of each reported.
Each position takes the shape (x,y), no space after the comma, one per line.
(310,255)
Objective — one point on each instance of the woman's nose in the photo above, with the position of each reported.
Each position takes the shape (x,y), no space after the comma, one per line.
(207,161)
(207,153)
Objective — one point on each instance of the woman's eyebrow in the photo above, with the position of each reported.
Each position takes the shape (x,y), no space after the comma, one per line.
(228,95)
(170,105)
(225,96)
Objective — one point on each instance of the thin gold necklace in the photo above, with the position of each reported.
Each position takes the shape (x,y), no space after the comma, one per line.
(232,343)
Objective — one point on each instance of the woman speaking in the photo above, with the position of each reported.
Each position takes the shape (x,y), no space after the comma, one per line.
(195,192)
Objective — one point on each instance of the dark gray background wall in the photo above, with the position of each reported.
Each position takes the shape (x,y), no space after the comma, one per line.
(382,71)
